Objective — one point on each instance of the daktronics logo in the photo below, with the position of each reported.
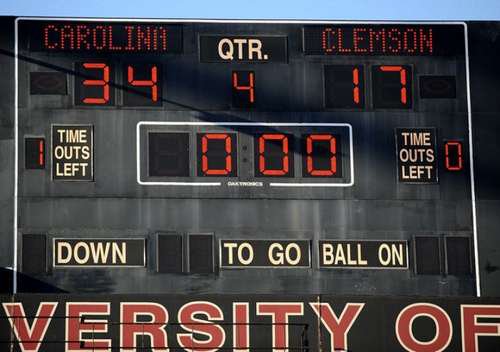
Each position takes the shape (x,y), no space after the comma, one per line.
(206,326)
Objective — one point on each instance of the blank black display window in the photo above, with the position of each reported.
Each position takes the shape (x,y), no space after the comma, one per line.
(438,87)
(34,254)
(142,84)
(243,89)
(321,155)
(48,83)
(34,156)
(392,87)
(201,253)
(273,155)
(458,256)
(168,154)
(93,82)
(344,86)
(169,253)
(427,255)
(217,154)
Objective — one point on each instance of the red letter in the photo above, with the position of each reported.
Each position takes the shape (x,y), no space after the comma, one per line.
(145,83)
(337,327)
(76,325)
(279,313)
(46,37)
(67,32)
(215,333)
(357,38)
(426,41)
(402,76)
(327,40)
(404,325)
(82,32)
(29,338)
(241,327)
(471,329)
(130,328)
(262,158)
(98,82)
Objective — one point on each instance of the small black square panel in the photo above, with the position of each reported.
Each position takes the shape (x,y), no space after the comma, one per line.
(438,87)
(458,256)
(169,253)
(34,254)
(427,255)
(201,253)
(168,154)
(48,83)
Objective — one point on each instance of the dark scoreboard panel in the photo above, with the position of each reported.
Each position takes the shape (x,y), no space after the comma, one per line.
(227,151)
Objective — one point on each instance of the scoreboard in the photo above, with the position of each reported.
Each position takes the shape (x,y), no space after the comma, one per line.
(278,185)
(203,156)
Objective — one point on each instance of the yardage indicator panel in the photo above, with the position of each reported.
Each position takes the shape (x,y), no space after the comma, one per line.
(195,133)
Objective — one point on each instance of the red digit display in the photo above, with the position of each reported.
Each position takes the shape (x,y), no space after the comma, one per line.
(355,82)
(92,84)
(34,153)
(272,156)
(243,87)
(144,85)
(392,87)
(344,86)
(453,155)
(217,154)
(104,83)
(320,157)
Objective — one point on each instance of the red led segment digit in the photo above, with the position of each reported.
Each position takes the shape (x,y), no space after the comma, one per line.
(344,86)
(205,159)
(453,156)
(145,83)
(402,77)
(332,142)
(41,153)
(284,167)
(34,153)
(355,81)
(104,83)
(392,86)
(243,86)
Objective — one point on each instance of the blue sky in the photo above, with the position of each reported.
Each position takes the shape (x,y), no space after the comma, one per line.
(260,9)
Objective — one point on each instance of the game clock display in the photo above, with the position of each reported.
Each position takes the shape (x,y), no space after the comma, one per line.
(219,153)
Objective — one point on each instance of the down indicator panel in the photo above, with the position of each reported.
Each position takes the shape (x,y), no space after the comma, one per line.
(229,157)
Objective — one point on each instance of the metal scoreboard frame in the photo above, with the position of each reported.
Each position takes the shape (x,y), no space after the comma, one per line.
(175,21)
